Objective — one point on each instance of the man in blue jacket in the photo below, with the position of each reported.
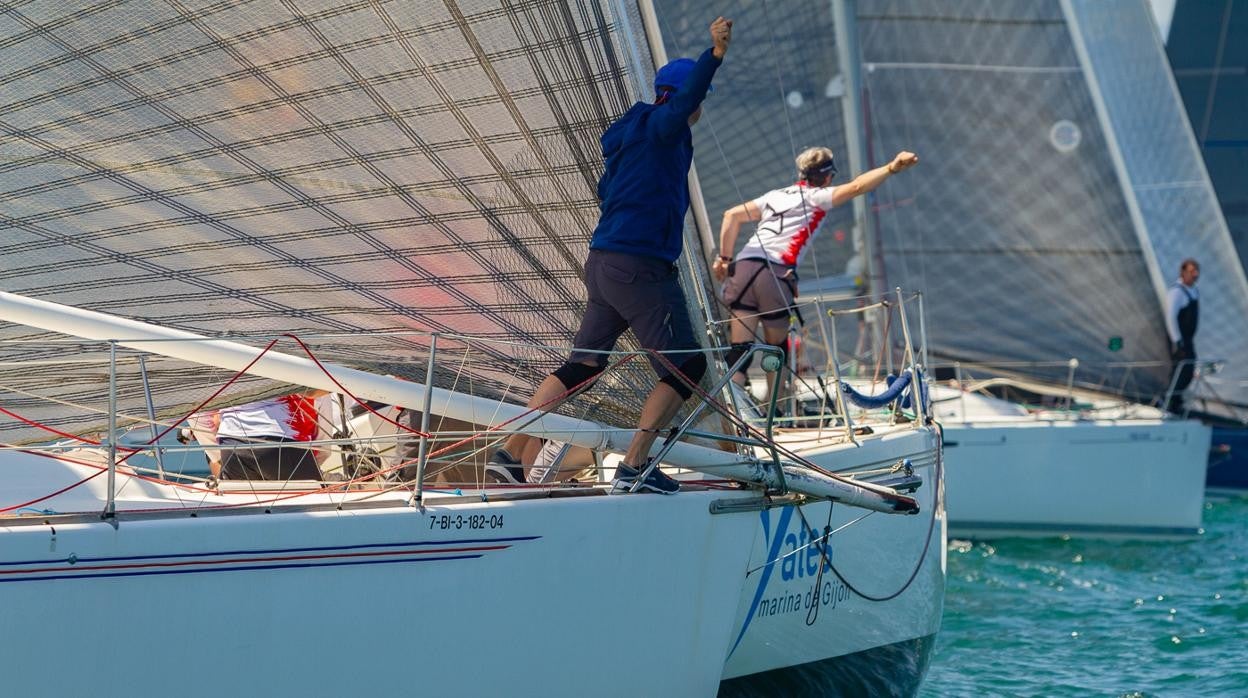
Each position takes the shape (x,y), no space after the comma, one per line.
(630,272)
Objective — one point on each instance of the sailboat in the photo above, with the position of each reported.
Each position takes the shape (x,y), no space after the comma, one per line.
(1095,194)
(1034,243)
(1217,117)
(210,203)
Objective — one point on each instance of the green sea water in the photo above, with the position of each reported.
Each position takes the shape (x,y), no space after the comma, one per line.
(1057,617)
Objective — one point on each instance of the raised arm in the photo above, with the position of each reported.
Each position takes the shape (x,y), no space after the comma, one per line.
(728,229)
(674,114)
(868,181)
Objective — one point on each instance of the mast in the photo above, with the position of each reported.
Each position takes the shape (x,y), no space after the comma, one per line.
(845,21)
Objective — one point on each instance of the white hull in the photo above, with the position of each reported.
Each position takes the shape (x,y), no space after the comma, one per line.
(899,557)
(1136,478)
(571,595)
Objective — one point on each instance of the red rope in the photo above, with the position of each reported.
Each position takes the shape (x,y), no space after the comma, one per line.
(233,379)
(58,432)
(307,350)
(49,496)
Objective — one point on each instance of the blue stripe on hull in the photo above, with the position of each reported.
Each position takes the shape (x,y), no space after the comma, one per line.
(240,568)
(271,551)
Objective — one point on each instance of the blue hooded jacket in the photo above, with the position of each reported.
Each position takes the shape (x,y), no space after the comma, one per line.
(644,192)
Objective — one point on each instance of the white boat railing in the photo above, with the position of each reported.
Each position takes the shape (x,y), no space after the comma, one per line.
(884,346)
(983,377)
(118,333)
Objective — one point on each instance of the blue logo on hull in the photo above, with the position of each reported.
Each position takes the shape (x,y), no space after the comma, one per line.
(795,562)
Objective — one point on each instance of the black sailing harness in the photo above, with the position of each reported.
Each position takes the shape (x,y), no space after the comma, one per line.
(790,278)
(1188,317)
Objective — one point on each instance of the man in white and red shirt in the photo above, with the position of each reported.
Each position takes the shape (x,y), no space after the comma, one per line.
(761,283)
(253,437)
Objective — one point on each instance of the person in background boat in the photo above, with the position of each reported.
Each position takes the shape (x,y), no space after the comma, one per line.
(202,426)
(630,272)
(245,433)
(1182,314)
(760,284)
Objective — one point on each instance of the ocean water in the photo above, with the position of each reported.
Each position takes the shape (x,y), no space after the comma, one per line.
(1060,617)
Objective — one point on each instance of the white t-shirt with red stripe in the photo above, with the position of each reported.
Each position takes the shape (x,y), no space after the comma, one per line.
(789,219)
(287,416)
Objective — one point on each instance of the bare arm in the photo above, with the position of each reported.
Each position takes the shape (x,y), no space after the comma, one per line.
(204,427)
(868,181)
(1174,297)
(728,229)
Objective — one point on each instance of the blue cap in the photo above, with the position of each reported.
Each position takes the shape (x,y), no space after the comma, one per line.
(673,74)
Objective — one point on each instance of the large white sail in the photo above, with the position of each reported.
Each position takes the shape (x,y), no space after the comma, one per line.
(339,169)
(1068,193)
(1160,163)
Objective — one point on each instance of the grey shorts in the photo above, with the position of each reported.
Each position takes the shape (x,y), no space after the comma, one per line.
(629,291)
(762,289)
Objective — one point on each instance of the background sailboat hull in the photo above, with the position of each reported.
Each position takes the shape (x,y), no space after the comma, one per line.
(1228,461)
(1101,478)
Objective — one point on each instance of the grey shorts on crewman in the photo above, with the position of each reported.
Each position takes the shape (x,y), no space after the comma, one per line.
(763,289)
(630,291)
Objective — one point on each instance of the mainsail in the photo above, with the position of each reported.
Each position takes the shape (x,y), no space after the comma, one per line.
(348,172)
(1068,188)
(1060,187)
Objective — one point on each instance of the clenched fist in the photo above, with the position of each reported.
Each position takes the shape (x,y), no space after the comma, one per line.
(721,36)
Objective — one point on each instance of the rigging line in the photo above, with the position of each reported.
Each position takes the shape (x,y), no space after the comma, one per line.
(738,421)
(825,561)
(63,434)
(79,406)
(931,524)
(813,539)
(1217,63)
(771,35)
(740,194)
